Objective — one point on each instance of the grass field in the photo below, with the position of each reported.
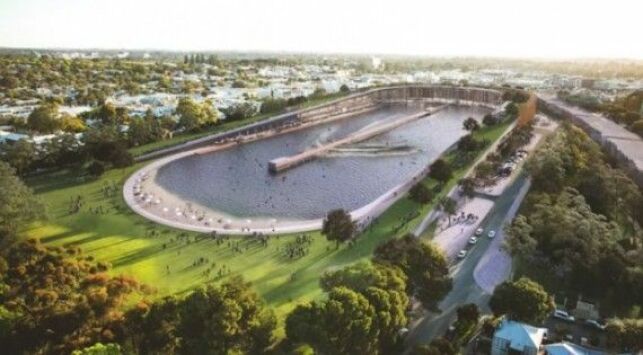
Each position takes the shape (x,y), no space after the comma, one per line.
(166,261)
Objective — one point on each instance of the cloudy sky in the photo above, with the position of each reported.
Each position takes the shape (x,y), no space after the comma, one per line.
(503,28)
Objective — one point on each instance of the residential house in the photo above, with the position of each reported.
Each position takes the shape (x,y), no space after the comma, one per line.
(517,338)
(566,348)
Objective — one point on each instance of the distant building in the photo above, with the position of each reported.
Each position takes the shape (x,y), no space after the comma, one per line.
(517,338)
(11,137)
(586,310)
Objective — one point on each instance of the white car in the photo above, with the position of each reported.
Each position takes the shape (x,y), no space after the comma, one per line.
(462,254)
(491,234)
(479,231)
(473,240)
(560,314)
(595,324)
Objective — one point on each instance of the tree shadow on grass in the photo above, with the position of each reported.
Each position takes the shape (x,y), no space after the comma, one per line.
(298,285)
(58,236)
(136,256)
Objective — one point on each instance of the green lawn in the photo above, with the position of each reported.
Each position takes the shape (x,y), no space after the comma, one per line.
(119,236)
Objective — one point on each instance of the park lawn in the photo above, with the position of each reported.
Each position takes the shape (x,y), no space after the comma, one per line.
(225,126)
(121,237)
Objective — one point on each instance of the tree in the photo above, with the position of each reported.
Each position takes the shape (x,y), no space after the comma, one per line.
(489,120)
(420,193)
(384,286)
(471,124)
(467,187)
(343,324)
(105,143)
(439,346)
(192,116)
(229,318)
(423,263)
(225,319)
(469,144)
(20,155)
(64,301)
(44,119)
(523,300)
(448,206)
(468,313)
(441,170)
(344,89)
(484,170)
(338,226)
(107,114)
(19,206)
(362,275)
(96,168)
(61,151)
(99,349)
(625,334)
(511,110)
(239,111)
(72,124)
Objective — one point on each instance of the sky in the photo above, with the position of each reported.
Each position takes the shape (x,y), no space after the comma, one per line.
(490,28)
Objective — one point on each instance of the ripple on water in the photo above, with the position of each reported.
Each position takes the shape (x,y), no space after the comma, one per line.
(236,181)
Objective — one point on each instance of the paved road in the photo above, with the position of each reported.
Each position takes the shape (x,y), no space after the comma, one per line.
(465,290)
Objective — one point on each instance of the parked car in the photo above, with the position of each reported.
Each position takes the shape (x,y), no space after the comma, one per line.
(462,254)
(473,240)
(560,314)
(595,324)
(491,234)
(479,231)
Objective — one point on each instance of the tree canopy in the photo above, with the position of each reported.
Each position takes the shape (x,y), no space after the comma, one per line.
(194,116)
(58,300)
(425,266)
(580,224)
(338,226)
(441,170)
(364,312)
(523,300)
(45,119)
(226,319)
(19,205)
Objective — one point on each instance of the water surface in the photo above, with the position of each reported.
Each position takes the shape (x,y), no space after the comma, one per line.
(237,182)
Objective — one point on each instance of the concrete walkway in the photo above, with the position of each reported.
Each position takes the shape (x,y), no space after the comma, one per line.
(454,194)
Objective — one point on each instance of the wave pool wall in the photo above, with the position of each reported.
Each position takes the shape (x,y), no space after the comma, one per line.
(410,95)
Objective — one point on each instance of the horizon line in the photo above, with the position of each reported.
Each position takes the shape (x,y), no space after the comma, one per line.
(329,53)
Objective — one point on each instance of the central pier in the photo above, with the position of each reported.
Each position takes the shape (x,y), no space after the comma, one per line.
(284,163)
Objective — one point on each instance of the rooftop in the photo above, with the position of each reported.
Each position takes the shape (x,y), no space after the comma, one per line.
(565,348)
(520,335)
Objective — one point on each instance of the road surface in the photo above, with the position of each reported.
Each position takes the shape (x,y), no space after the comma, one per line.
(465,290)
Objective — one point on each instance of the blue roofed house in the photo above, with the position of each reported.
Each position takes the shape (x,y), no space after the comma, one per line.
(566,348)
(517,338)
